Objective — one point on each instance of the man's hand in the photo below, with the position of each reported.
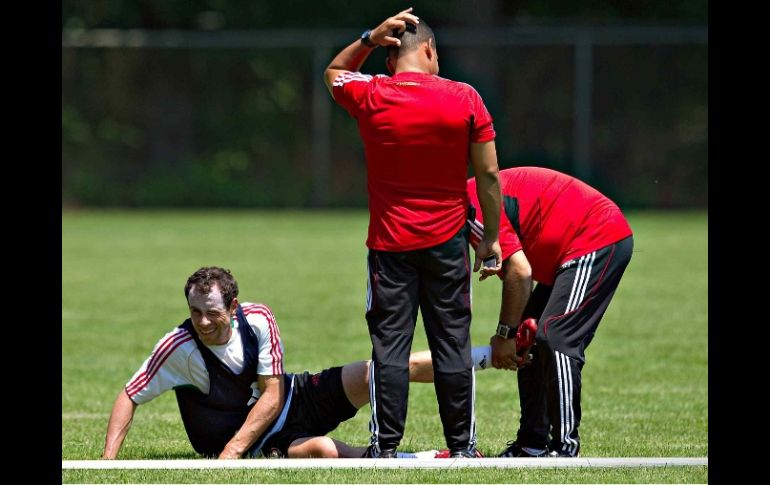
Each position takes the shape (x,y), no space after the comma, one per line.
(513,353)
(485,251)
(229,454)
(383,33)
(504,354)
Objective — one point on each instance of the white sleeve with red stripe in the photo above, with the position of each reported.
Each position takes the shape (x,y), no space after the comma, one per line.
(262,321)
(168,366)
(349,90)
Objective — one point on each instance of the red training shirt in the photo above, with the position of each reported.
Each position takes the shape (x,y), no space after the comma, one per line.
(417,129)
(560,218)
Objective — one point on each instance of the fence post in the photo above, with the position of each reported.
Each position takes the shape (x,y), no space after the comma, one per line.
(583,112)
(321,127)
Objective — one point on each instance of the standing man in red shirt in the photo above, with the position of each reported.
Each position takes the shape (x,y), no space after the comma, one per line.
(419,131)
(576,244)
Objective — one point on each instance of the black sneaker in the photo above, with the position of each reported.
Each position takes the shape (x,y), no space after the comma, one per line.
(514,450)
(562,453)
(274,453)
(372,453)
(472,453)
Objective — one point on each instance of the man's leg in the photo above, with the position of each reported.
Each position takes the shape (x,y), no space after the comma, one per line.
(421,364)
(355,382)
(445,305)
(533,422)
(581,294)
(391,314)
(420,367)
(532,436)
(355,376)
(323,447)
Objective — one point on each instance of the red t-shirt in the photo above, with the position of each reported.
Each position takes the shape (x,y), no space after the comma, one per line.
(559,217)
(417,129)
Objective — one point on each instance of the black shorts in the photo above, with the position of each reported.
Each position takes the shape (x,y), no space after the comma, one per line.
(318,406)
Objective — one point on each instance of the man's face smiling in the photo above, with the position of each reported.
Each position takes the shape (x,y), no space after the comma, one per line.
(209,316)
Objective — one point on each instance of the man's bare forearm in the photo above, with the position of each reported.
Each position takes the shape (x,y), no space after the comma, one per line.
(120,422)
(351,58)
(261,416)
(485,169)
(517,288)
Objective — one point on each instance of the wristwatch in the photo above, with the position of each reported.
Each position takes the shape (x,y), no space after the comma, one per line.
(505,331)
(366,39)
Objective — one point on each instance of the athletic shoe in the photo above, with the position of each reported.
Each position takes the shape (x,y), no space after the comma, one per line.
(514,450)
(426,454)
(474,453)
(562,453)
(371,453)
(274,453)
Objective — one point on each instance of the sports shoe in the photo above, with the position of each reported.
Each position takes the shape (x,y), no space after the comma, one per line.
(473,453)
(386,453)
(515,450)
(273,453)
(562,453)
(426,454)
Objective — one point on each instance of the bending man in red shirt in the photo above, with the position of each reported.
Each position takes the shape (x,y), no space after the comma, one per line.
(419,130)
(576,244)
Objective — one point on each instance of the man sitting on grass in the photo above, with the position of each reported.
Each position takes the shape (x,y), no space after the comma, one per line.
(225,364)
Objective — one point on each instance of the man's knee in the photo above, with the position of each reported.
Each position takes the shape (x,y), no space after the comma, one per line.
(451,356)
(355,382)
(392,349)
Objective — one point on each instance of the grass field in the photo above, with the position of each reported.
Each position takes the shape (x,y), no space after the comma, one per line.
(645,381)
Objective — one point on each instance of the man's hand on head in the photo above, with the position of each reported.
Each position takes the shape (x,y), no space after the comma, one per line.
(383,33)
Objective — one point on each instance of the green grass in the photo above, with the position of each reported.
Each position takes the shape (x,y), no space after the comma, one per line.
(695,474)
(645,381)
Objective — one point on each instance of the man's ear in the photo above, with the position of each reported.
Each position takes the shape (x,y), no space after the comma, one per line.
(234,305)
(428,50)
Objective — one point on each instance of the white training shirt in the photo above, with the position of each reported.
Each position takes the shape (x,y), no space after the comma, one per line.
(176,361)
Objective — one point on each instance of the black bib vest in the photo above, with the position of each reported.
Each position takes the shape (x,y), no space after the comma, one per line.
(212,419)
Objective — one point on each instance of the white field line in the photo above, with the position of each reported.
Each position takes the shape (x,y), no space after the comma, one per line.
(389,464)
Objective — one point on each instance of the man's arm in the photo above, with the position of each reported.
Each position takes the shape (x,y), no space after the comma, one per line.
(262,415)
(120,422)
(517,288)
(353,56)
(485,169)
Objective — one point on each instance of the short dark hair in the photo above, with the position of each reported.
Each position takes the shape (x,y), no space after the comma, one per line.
(208,276)
(412,37)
